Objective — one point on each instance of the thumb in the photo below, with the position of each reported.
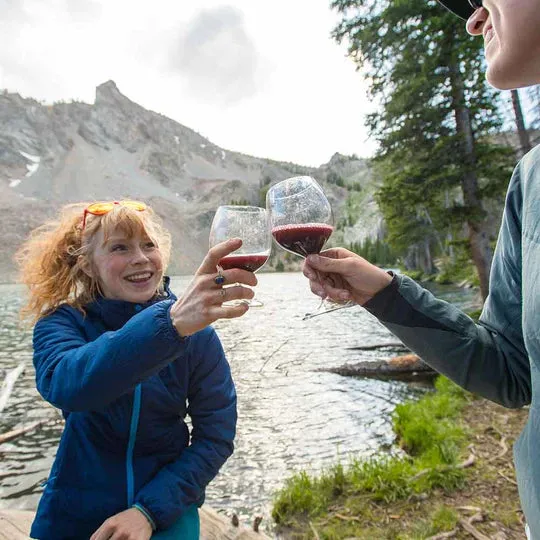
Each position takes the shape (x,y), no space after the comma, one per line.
(216,253)
(324,264)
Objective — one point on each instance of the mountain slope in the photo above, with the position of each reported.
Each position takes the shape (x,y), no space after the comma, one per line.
(54,154)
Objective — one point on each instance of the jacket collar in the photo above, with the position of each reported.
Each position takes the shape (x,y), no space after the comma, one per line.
(115,313)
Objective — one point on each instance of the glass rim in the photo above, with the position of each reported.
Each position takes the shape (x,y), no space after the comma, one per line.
(296,193)
(246,208)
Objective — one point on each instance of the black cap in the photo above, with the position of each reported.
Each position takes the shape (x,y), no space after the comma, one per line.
(461,8)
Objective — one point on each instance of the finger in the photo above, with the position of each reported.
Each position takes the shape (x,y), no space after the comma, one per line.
(227,312)
(337,253)
(317,289)
(324,264)
(336,294)
(103,533)
(235,292)
(309,272)
(216,253)
(236,275)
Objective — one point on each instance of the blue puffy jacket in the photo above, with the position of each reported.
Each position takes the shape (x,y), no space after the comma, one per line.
(125,381)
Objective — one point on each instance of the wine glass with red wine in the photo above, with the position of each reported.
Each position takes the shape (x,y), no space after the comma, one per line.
(250,223)
(301,222)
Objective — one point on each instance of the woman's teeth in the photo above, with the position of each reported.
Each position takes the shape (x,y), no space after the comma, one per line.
(139,277)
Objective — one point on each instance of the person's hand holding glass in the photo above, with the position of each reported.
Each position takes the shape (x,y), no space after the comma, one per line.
(250,224)
(301,221)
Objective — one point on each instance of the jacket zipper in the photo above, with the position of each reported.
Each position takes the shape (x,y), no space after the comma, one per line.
(131,445)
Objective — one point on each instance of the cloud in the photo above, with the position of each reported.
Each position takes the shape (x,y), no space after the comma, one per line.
(33,9)
(10,9)
(83,9)
(47,44)
(216,58)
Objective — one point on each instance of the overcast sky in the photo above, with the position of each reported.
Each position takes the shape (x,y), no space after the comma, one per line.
(262,78)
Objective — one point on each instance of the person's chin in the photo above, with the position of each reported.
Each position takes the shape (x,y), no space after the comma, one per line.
(498,76)
(503,81)
(505,74)
(142,294)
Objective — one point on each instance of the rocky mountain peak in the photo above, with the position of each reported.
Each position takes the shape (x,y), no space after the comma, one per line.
(108,92)
(51,155)
(109,98)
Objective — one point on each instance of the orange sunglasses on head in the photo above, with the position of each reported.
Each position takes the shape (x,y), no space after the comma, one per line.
(102,208)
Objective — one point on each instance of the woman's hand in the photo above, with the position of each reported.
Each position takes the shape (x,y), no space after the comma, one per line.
(127,525)
(341,275)
(201,303)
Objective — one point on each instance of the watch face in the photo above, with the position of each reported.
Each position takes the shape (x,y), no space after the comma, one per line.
(462,8)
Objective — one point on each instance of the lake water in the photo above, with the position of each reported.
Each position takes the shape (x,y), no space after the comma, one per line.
(291,415)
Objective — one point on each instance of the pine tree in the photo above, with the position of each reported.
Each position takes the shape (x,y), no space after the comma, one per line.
(436,114)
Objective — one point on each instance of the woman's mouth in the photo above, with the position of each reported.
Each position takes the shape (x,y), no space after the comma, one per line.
(139,277)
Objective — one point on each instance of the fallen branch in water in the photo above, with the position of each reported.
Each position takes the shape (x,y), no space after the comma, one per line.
(9,382)
(378,346)
(14,433)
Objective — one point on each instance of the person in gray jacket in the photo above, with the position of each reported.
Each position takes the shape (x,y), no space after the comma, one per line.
(499,357)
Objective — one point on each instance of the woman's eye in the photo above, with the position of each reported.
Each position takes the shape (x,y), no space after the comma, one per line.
(118,247)
(149,245)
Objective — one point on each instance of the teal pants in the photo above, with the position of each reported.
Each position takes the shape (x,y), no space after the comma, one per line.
(186,528)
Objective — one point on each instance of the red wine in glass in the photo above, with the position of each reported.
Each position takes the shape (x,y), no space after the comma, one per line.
(250,223)
(301,221)
(302,239)
(251,263)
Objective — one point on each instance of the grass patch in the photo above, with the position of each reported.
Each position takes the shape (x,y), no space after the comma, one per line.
(434,442)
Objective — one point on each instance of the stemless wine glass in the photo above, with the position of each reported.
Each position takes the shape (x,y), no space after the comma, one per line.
(301,222)
(250,224)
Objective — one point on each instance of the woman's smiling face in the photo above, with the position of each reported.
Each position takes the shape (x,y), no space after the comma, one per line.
(126,267)
(511,31)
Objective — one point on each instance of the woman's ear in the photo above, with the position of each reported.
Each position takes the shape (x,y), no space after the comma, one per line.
(85,266)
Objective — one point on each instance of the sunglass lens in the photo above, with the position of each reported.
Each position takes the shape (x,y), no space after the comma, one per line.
(136,205)
(100,208)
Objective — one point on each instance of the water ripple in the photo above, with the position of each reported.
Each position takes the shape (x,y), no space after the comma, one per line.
(291,416)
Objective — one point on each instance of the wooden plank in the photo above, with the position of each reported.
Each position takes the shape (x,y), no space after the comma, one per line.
(22,519)
(14,433)
(15,525)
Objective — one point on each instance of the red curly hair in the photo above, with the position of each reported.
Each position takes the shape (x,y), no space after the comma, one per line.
(52,259)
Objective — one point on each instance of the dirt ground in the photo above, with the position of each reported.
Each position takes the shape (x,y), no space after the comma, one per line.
(491,491)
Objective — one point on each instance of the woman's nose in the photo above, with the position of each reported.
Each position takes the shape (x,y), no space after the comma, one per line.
(476,22)
(139,256)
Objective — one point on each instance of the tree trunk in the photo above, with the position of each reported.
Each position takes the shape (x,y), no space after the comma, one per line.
(524,139)
(428,259)
(534,97)
(478,235)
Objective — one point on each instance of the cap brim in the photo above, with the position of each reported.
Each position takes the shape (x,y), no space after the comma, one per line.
(461,8)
